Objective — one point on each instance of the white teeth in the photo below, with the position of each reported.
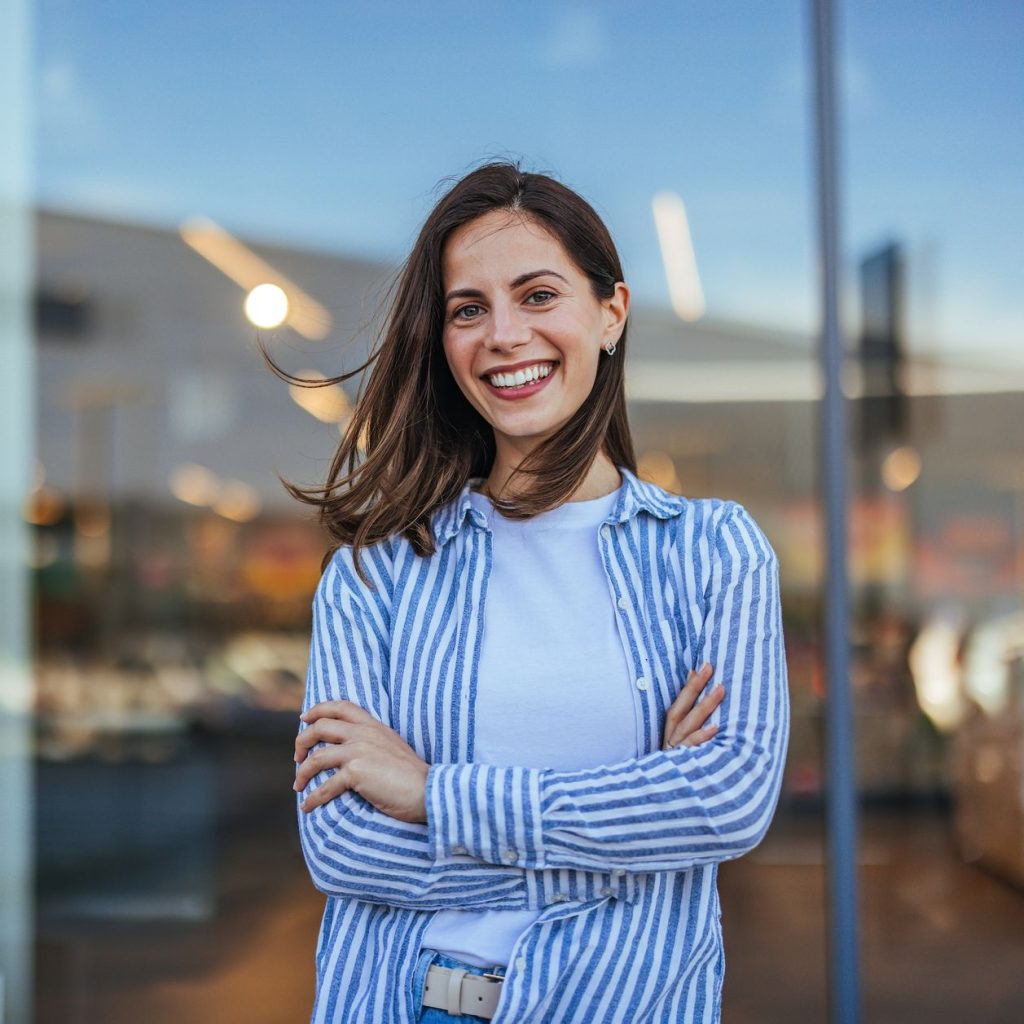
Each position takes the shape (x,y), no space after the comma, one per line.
(520,377)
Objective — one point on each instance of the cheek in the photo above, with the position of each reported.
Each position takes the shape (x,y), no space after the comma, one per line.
(460,363)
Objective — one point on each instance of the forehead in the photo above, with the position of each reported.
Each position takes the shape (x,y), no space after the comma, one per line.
(499,241)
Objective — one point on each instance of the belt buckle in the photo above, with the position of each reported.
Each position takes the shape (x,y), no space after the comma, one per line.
(493,977)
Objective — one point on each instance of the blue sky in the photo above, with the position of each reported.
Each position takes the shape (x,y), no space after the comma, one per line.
(333,124)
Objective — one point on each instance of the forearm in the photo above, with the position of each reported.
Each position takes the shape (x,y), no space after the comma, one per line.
(351,849)
(667,811)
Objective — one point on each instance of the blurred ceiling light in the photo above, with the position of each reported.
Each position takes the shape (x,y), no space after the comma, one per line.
(659,468)
(986,660)
(194,484)
(238,262)
(933,667)
(677,256)
(92,520)
(44,506)
(900,468)
(237,501)
(266,306)
(327,402)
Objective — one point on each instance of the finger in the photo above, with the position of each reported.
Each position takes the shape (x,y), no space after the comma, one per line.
(695,682)
(327,730)
(332,788)
(692,739)
(330,757)
(335,709)
(700,714)
(694,679)
(704,708)
(695,719)
(700,736)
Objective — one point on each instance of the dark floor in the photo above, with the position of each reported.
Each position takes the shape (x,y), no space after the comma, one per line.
(219,924)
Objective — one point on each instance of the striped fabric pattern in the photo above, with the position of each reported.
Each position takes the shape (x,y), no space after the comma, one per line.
(620,859)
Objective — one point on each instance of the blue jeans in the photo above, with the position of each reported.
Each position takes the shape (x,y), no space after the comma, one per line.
(432,1014)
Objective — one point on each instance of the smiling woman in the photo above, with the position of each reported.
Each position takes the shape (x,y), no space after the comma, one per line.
(525,365)
(512,765)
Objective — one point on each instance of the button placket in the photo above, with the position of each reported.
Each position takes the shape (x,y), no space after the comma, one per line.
(623,622)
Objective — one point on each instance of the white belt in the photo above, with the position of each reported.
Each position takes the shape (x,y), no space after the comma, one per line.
(459,991)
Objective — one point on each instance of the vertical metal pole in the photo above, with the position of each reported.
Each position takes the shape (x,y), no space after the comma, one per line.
(841,806)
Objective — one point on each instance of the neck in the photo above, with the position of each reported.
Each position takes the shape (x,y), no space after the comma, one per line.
(602,478)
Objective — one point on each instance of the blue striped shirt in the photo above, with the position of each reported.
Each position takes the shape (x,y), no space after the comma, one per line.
(620,859)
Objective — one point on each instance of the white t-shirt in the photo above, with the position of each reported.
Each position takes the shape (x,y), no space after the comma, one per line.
(553,684)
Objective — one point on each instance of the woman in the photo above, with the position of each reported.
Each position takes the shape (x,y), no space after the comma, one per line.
(510,789)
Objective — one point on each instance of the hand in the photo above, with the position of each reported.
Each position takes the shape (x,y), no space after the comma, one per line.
(370,759)
(684,721)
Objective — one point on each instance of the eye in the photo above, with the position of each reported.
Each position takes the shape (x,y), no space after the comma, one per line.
(462,309)
(542,291)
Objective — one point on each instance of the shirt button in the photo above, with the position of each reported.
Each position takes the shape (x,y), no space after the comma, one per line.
(605,530)
(623,603)
(521,962)
(458,849)
(606,892)
(642,683)
(559,897)
(511,855)
(619,872)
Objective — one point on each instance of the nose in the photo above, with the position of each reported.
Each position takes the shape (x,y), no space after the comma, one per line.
(508,328)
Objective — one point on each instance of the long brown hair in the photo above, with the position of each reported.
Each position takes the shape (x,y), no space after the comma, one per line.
(423,440)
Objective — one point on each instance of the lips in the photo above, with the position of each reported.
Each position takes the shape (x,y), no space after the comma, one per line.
(524,390)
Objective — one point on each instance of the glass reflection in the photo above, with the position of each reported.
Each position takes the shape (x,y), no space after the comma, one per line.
(173,575)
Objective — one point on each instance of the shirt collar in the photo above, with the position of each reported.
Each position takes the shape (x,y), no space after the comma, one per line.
(635,496)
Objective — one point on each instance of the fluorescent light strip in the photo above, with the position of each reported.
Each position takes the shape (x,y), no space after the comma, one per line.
(677,256)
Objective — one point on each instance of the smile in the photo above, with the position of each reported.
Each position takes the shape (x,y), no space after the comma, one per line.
(518,378)
(521,383)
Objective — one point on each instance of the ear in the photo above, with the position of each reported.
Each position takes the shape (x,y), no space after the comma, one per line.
(616,309)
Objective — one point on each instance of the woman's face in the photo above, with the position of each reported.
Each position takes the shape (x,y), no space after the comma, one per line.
(515,301)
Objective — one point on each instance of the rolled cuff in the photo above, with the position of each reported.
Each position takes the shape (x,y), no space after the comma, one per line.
(484,811)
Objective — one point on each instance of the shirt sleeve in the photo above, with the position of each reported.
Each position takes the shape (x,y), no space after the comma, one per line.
(350,847)
(666,810)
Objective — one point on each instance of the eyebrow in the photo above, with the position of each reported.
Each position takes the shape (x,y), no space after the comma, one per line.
(475,293)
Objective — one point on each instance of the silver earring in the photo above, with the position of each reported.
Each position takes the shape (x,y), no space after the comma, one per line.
(610,347)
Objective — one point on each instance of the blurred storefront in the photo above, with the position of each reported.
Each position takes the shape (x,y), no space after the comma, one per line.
(168,575)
